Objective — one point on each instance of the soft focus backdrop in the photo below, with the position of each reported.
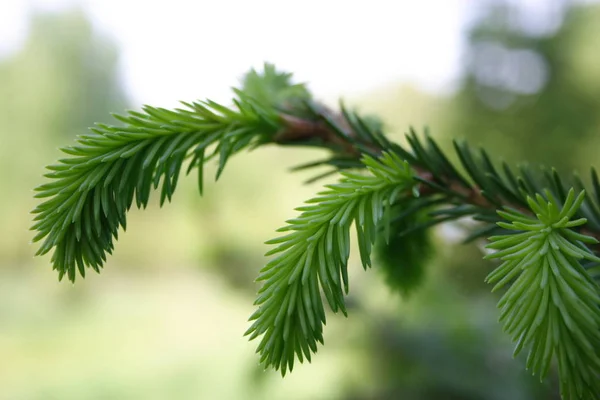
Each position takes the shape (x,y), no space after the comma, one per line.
(166,317)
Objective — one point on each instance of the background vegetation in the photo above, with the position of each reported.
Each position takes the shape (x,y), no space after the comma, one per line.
(166,317)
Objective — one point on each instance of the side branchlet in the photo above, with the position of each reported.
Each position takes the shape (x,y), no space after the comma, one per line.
(552,306)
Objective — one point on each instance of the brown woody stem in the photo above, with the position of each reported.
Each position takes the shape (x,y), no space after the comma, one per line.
(298,129)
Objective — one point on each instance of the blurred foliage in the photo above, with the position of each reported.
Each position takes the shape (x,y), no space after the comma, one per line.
(65,75)
(532,95)
(405,255)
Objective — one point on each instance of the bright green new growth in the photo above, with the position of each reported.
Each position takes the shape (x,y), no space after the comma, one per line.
(552,306)
(386,190)
(92,190)
(313,257)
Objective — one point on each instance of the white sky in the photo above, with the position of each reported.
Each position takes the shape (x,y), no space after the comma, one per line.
(185,49)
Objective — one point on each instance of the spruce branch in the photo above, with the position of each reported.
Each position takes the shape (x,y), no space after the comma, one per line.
(549,246)
(482,185)
(477,193)
(91,191)
(313,257)
(552,305)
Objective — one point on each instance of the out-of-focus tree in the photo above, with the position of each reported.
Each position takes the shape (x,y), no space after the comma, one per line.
(532,83)
(63,80)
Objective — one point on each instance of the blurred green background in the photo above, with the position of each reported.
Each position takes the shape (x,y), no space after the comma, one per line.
(166,317)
